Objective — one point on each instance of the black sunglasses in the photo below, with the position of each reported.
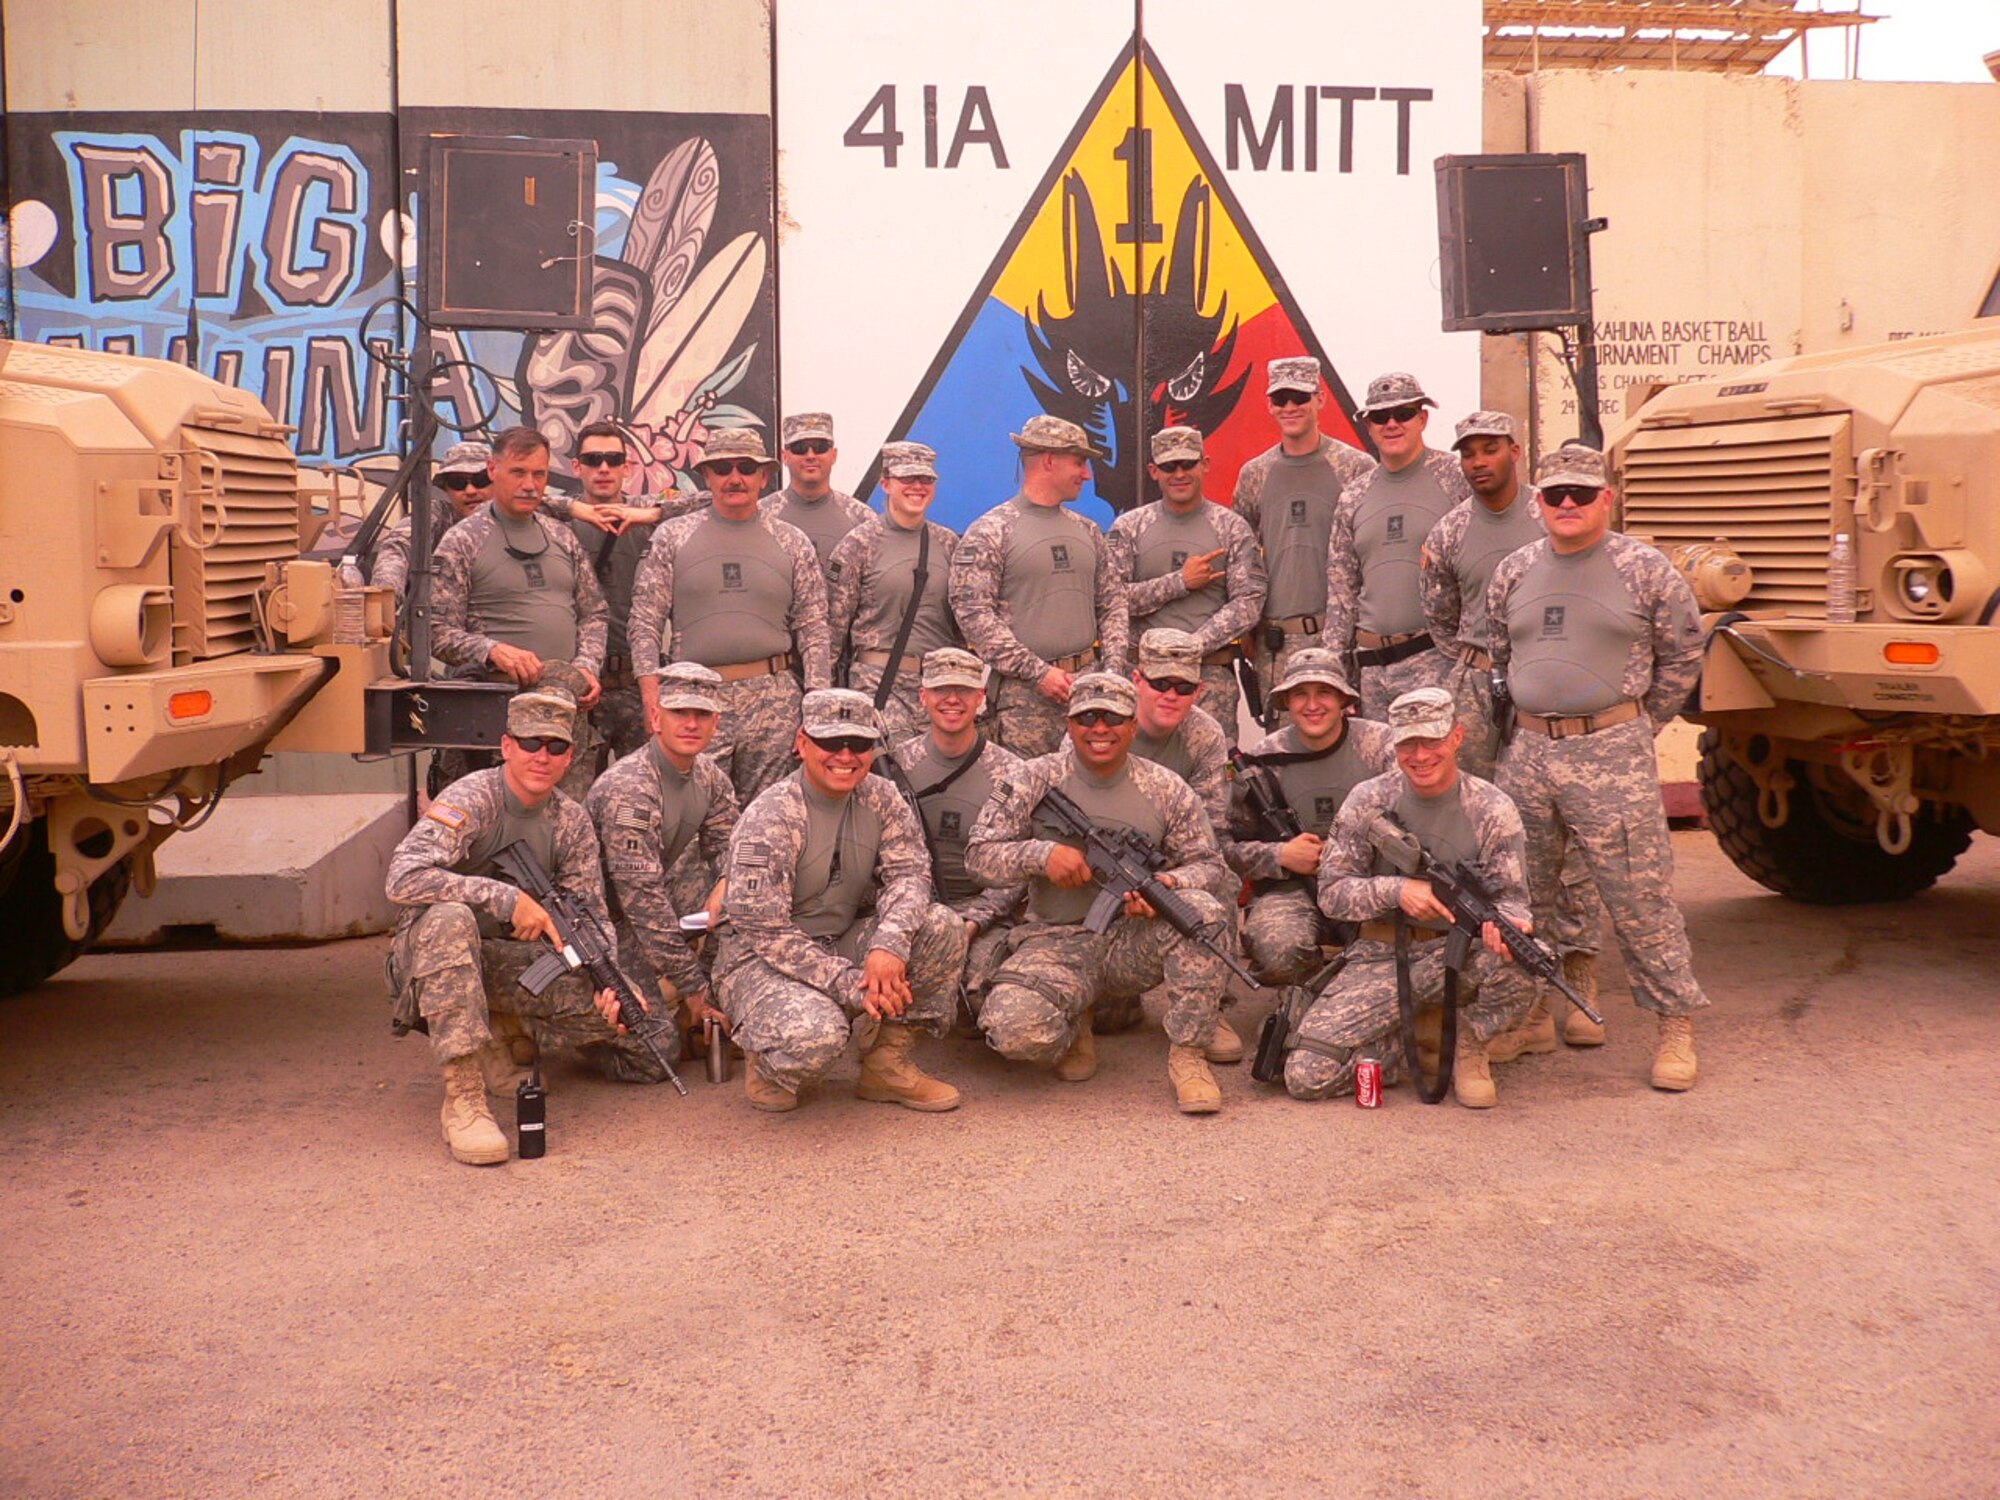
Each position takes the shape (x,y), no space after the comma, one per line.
(808,445)
(723,466)
(844,744)
(531,743)
(1388,414)
(457,482)
(1178,465)
(1092,718)
(1173,685)
(1290,398)
(601,460)
(1569,495)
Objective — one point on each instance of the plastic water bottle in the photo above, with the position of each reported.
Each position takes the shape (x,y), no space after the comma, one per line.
(1840,581)
(350,606)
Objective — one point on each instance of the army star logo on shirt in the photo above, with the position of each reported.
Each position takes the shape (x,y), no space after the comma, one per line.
(1552,619)
(732,575)
(1059,555)
(1395,529)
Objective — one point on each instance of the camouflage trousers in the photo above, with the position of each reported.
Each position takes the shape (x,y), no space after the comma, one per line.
(797,1032)
(442,969)
(1282,931)
(1578,919)
(760,722)
(1051,974)
(1381,686)
(620,721)
(1024,721)
(1271,667)
(1220,697)
(689,880)
(1358,1018)
(902,712)
(1599,794)
(983,955)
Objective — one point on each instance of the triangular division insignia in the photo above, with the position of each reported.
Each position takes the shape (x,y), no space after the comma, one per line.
(1132,228)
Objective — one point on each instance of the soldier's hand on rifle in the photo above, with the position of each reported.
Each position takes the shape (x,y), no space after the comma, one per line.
(1199,571)
(606,1002)
(1067,868)
(1137,905)
(589,699)
(517,662)
(531,919)
(1054,685)
(1495,944)
(1300,855)
(885,985)
(1421,904)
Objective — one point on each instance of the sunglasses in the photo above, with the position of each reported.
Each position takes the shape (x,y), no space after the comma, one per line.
(844,744)
(1173,685)
(813,446)
(1290,398)
(1569,495)
(534,744)
(457,482)
(601,460)
(1179,466)
(1095,718)
(1388,414)
(745,466)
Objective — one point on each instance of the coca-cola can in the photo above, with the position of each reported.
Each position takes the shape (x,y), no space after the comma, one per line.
(1368,1083)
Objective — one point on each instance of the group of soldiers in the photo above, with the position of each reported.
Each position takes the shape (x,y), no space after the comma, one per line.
(1440,649)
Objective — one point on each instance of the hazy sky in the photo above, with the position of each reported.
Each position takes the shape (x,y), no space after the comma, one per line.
(1916,41)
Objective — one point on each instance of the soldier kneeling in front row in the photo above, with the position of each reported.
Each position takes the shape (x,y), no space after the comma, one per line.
(466,936)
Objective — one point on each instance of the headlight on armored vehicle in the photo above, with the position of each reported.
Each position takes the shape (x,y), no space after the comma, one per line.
(1935,585)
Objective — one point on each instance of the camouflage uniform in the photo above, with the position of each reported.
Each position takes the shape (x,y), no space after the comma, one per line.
(790,997)
(1357,1015)
(389,563)
(665,838)
(451,961)
(1601,790)
(869,578)
(824,521)
(1053,970)
(1346,587)
(459,632)
(760,714)
(1198,753)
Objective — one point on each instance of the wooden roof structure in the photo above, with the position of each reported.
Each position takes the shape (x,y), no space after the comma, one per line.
(1696,36)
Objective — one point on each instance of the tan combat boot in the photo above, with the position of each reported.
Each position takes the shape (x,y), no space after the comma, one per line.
(1580,969)
(512,1030)
(888,1076)
(469,1128)
(1536,1032)
(1195,1089)
(1471,1078)
(1225,1046)
(1673,1064)
(763,1093)
(1080,1061)
(497,1067)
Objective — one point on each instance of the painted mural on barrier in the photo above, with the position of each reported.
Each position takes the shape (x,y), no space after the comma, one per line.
(260,242)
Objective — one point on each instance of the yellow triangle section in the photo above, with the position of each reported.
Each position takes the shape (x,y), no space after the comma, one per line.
(1035,270)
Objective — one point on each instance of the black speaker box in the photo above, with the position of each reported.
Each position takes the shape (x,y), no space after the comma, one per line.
(510,232)
(1512,241)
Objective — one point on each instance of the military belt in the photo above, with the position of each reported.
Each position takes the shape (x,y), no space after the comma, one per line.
(911,664)
(1476,656)
(1075,663)
(763,667)
(1386,650)
(1563,729)
(1384,931)
(1229,653)
(1297,624)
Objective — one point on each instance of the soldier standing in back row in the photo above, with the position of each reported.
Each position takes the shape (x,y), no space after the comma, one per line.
(744,594)
(463,484)
(1192,565)
(1374,611)
(871,586)
(1037,590)
(1600,640)
(601,462)
(1288,493)
(810,502)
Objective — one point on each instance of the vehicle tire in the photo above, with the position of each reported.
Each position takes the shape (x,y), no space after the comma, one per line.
(35,945)
(1822,855)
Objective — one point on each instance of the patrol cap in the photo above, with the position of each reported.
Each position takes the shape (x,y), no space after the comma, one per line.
(1170,653)
(1394,389)
(1298,373)
(1425,713)
(948,666)
(564,679)
(1314,664)
(1103,690)
(543,715)
(1484,424)
(735,442)
(909,461)
(1170,443)
(807,424)
(828,713)
(1574,465)
(1045,434)
(466,458)
(689,684)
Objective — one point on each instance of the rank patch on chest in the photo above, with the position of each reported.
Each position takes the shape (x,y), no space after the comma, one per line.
(445,813)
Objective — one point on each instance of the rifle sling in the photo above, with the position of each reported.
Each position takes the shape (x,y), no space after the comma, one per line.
(918,579)
(944,782)
(1406,1010)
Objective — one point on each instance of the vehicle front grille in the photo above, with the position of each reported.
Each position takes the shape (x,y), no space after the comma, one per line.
(243,491)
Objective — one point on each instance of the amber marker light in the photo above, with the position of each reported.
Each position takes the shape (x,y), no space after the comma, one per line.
(194,705)
(1910,654)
